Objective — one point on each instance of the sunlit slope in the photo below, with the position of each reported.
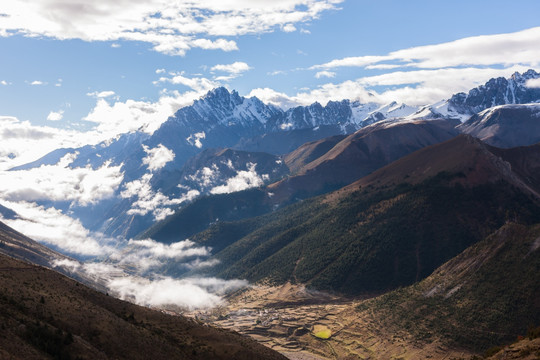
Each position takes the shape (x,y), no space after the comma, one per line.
(390,229)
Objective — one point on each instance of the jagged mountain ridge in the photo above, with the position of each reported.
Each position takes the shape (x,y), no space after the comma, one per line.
(498,91)
(495,92)
(224,119)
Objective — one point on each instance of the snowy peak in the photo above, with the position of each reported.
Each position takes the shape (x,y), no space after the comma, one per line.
(498,91)
(221,107)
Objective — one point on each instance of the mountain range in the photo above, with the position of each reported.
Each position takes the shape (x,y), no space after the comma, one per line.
(434,208)
(223,119)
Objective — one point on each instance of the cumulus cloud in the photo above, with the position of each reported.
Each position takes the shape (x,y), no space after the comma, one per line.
(59,182)
(55,115)
(325,73)
(288,28)
(195,139)
(147,254)
(171,27)
(22,142)
(4,82)
(157,157)
(235,68)
(270,96)
(101,94)
(150,201)
(113,118)
(37,82)
(198,84)
(242,181)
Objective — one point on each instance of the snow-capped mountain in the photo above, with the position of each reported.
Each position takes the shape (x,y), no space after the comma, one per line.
(499,91)
(156,174)
(495,92)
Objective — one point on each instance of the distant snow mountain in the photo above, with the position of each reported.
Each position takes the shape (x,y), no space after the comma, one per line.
(178,162)
(497,91)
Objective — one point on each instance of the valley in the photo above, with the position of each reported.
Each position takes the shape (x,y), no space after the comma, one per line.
(241,230)
(287,318)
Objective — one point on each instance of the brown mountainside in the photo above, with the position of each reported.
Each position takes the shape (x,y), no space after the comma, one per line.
(47,315)
(360,154)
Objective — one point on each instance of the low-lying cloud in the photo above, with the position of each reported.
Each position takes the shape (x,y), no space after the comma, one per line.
(59,182)
(144,285)
(56,229)
(244,179)
(157,157)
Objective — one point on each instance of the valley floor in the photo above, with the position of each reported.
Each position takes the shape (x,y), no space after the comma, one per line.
(293,321)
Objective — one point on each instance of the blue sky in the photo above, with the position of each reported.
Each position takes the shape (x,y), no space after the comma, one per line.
(76,72)
(108,63)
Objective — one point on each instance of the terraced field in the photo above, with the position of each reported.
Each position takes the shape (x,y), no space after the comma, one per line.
(287,318)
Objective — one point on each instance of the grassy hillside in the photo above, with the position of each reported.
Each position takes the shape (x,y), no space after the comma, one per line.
(373,238)
(486,296)
(47,315)
(318,167)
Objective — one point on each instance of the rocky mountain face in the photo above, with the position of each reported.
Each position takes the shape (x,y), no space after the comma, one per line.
(505,126)
(498,91)
(495,92)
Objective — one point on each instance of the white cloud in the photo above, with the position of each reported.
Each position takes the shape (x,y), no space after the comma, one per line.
(142,285)
(195,139)
(160,71)
(270,96)
(242,181)
(157,157)
(185,293)
(151,201)
(55,115)
(82,186)
(121,117)
(235,68)
(54,228)
(199,84)
(325,73)
(115,45)
(533,83)
(518,48)
(4,82)
(418,87)
(288,28)
(171,27)
(147,254)
(22,142)
(37,82)
(101,94)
